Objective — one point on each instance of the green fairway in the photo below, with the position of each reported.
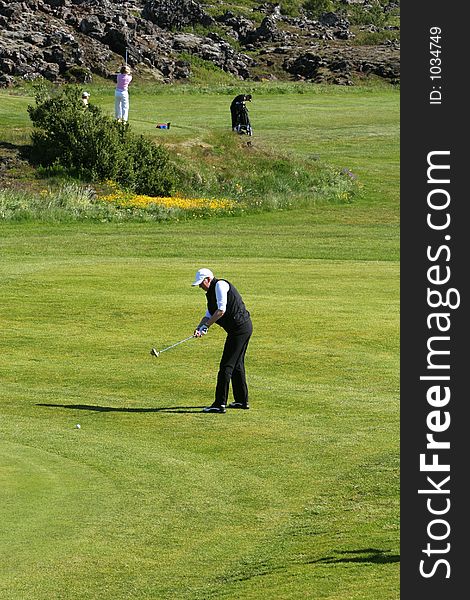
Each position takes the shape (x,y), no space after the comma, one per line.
(152,499)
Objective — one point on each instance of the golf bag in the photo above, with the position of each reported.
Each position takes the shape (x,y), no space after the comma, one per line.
(240,119)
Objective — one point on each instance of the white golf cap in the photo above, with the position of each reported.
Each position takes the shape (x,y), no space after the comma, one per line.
(201,275)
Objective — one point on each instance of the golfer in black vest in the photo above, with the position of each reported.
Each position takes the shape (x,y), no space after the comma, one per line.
(226,308)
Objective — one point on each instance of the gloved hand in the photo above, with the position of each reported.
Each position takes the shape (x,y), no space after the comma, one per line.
(201,330)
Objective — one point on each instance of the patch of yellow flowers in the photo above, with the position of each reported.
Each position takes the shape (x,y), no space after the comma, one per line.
(129,200)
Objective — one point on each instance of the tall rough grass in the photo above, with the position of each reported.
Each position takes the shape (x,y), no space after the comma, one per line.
(224,174)
(268,191)
(258,178)
(70,202)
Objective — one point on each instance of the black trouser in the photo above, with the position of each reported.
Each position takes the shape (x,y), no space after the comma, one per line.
(234,112)
(232,366)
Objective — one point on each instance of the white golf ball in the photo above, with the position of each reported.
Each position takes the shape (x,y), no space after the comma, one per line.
(77,426)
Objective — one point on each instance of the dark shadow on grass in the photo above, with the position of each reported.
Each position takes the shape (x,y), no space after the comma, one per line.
(367,555)
(23,150)
(9,146)
(169,409)
(261,569)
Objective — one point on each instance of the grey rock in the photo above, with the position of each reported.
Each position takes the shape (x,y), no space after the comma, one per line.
(175,14)
(51,38)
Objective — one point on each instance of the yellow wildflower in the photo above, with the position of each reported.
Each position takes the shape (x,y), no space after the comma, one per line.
(141,201)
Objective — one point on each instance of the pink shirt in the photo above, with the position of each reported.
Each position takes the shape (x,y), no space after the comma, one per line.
(123,81)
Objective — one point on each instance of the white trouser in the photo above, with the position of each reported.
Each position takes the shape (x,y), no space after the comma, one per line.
(121,105)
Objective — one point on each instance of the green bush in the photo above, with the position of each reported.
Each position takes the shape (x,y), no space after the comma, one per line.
(93,146)
(289,8)
(317,7)
(374,38)
(372,14)
(78,74)
(151,171)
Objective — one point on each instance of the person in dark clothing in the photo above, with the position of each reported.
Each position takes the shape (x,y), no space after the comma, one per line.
(239,112)
(226,308)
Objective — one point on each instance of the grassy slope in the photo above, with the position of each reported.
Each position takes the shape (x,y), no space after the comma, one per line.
(151,499)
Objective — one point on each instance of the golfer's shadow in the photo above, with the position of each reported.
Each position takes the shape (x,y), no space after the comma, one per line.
(169,409)
(365,555)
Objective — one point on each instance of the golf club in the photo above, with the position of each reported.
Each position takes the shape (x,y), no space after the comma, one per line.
(155,352)
(127,42)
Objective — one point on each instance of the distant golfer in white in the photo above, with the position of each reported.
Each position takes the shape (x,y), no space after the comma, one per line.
(121,95)
(85,98)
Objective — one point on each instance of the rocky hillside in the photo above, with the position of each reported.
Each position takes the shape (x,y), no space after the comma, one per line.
(72,40)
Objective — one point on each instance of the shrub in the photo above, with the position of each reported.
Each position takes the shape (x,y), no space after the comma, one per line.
(78,74)
(290,8)
(374,38)
(93,146)
(317,7)
(370,14)
(151,171)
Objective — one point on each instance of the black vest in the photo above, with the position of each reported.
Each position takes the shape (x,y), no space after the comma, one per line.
(235,314)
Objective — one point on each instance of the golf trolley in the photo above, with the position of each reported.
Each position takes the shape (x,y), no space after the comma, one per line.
(240,118)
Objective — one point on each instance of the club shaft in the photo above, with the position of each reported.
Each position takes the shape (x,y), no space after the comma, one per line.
(177,344)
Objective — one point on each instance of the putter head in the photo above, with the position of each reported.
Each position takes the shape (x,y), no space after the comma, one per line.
(154,352)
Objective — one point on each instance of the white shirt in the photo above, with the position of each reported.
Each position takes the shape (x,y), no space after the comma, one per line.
(221,291)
